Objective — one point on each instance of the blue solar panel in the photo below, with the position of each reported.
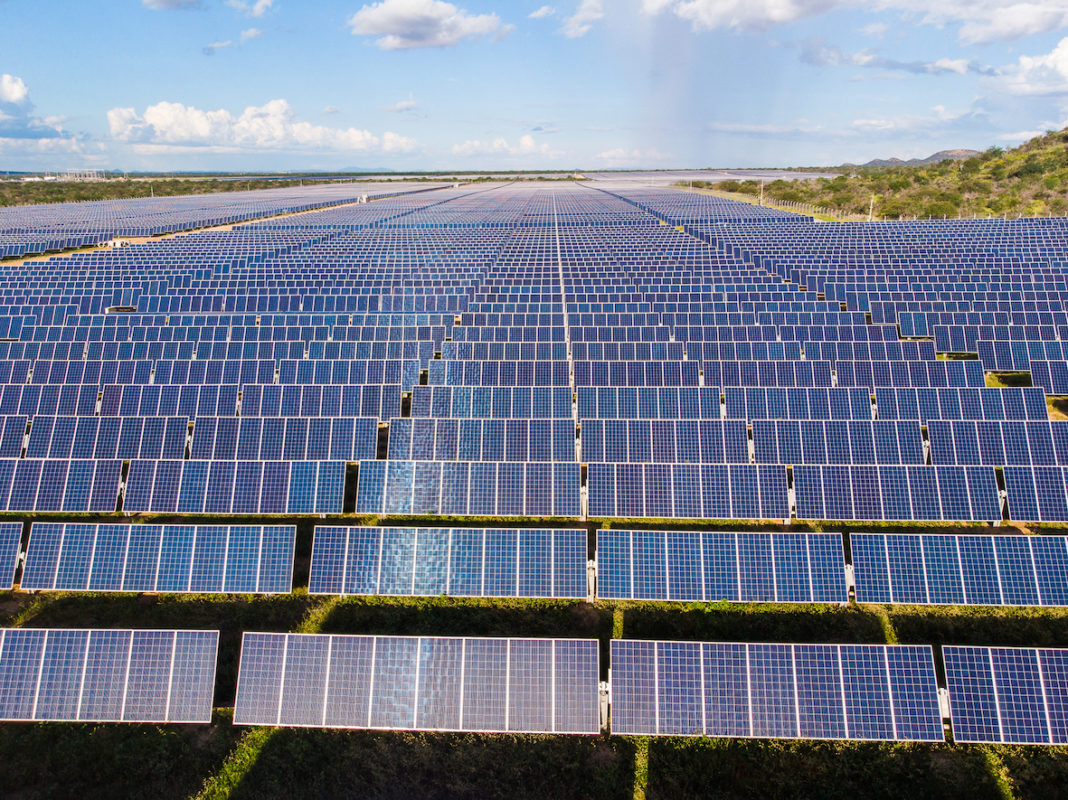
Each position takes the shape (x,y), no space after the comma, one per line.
(960,570)
(684,565)
(881,692)
(419,683)
(1009,695)
(456,561)
(160,558)
(107,675)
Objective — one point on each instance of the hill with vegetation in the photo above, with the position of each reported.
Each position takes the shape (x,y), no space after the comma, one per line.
(1029,180)
(20,193)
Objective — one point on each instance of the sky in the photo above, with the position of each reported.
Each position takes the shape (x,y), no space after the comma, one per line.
(279,85)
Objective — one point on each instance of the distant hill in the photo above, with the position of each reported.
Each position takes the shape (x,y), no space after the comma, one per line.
(941,155)
(1029,180)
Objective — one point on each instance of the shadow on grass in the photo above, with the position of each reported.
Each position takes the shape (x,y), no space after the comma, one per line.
(155,762)
(743,769)
(379,764)
(726,622)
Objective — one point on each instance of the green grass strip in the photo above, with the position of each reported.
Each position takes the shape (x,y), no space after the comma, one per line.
(241,759)
(32,609)
(884,622)
(641,767)
(617,623)
(245,753)
(999,772)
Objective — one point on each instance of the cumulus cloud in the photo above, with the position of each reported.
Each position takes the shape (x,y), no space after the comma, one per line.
(579,23)
(330,109)
(272,126)
(407,24)
(978,20)
(526,146)
(542,13)
(17,120)
(13,89)
(251,33)
(1038,75)
(256,9)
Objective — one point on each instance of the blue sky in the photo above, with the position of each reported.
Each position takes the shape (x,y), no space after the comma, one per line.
(487,84)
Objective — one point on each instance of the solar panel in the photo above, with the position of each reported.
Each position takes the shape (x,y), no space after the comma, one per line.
(476,488)
(254,559)
(710,491)
(454,561)
(1006,694)
(960,570)
(798,691)
(10,539)
(419,683)
(714,566)
(107,675)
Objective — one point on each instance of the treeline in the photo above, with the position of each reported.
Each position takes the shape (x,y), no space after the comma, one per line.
(33,192)
(1029,180)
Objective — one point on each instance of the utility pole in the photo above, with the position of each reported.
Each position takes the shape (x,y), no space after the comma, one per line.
(871,207)
(761,191)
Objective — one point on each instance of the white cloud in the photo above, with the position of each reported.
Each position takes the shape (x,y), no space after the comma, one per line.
(526,146)
(257,9)
(403,105)
(251,33)
(876,29)
(13,89)
(405,24)
(621,157)
(272,126)
(330,109)
(542,13)
(18,123)
(979,20)
(579,23)
(210,49)
(166,5)
(1038,75)
(817,52)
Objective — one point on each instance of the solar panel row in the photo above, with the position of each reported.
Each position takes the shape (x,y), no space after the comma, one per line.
(424,439)
(713,566)
(1006,694)
(522,562)
(469,488)
(496,402)
(159,558)
(810,691)
(107,675)
(284,438)
(419,683)
(236,487)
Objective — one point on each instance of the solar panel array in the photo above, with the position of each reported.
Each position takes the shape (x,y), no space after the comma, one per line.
(467,562)
(419,683)
(522,352)
(69,556)
(1008,694)
(789,691)
(106,675)
(948,569)
(740,567)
